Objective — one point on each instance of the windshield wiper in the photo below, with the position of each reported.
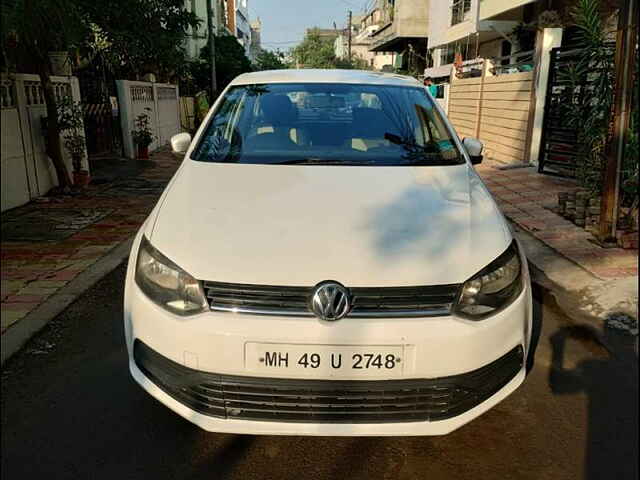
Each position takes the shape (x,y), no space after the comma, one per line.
(297,161)
(407,143)
(420,154)
(320,161)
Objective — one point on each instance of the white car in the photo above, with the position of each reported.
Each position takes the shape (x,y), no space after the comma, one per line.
(327,271)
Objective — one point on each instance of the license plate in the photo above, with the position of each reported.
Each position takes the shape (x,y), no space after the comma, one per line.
(325,360)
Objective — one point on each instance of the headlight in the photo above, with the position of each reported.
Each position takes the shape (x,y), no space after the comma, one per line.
(493,288)
(166,283)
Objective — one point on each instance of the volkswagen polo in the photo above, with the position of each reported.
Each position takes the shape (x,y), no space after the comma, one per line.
(327,261)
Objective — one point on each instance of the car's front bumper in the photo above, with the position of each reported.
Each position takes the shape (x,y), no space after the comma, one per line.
(434,348)
(252,427)
(327,401)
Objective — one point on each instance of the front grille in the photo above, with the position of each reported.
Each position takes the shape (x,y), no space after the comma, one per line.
(366,301)
(327,401)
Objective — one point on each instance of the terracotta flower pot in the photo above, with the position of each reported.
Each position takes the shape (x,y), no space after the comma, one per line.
(143,152)
(81,178)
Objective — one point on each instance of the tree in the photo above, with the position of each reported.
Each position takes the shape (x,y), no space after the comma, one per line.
(141,36)
(37,28)
(231,61)
(314,52)
(135,36)
(590,111)
(356,63)
(268,60)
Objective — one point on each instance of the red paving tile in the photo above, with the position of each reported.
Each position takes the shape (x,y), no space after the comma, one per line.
(33,299)
(523,194)
(63,275)
(19,306)
(41,262)
(615,272)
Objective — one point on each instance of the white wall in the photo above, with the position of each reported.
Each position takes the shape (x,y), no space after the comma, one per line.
(158,100)
(491,8)
(439,21)
(27,171)
(15,184)
(441,31)
(381,59)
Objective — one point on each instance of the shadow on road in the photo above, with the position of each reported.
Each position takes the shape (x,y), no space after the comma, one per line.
(611,387)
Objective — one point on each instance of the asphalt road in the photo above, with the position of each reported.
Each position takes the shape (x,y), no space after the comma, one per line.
(70,410)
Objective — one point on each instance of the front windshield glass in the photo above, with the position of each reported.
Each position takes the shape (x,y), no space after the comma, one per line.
(327,124)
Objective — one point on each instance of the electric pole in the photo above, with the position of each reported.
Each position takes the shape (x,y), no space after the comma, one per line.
(349,27)
(212,50)
(624,60)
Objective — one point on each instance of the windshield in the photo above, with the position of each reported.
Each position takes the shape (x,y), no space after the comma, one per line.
(327,124)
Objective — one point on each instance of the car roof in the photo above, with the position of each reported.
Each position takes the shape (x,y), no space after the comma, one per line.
(325,76)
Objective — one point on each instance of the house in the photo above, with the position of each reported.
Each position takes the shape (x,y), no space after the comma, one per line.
(243,26)
(197,37)
(256,40)
(403,29)
(481,29)
(363,28)
(329,34)
(372,22)
(228,16)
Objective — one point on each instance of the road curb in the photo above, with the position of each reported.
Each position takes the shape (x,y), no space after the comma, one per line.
(584,298)
(16,336)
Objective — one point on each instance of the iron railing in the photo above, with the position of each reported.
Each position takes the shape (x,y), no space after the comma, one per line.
(515,63)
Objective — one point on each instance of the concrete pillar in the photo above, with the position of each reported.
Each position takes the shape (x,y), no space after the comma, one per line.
(547,39)
(126,116)
(446,88)
(487,65)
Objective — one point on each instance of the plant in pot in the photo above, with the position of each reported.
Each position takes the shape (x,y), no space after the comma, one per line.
(72,126)
(142,135)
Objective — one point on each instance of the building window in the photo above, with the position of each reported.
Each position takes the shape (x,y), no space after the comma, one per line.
(460,11)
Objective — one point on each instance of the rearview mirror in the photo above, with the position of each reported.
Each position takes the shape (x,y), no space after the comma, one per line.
(474,147)
(180,143)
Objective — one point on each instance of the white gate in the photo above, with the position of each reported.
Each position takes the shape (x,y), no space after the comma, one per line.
(27,171)
(159,100)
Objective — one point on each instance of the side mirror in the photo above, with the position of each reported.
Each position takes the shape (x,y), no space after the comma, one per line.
(180,143)
(474,147)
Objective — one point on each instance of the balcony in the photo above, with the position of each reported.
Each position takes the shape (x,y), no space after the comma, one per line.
(402,21)
(493,8)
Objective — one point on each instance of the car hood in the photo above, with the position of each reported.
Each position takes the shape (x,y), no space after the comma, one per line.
(302,224)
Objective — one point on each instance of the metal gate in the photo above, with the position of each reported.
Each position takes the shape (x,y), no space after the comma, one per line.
(101,123)
(559,140)
(100,108)
(557,154)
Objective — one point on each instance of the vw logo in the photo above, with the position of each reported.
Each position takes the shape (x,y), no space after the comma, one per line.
(330,301)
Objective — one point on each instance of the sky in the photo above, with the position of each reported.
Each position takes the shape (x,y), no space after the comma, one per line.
(285,21)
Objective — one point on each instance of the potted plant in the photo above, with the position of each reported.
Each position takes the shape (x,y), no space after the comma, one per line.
(142,135)
(72,126)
